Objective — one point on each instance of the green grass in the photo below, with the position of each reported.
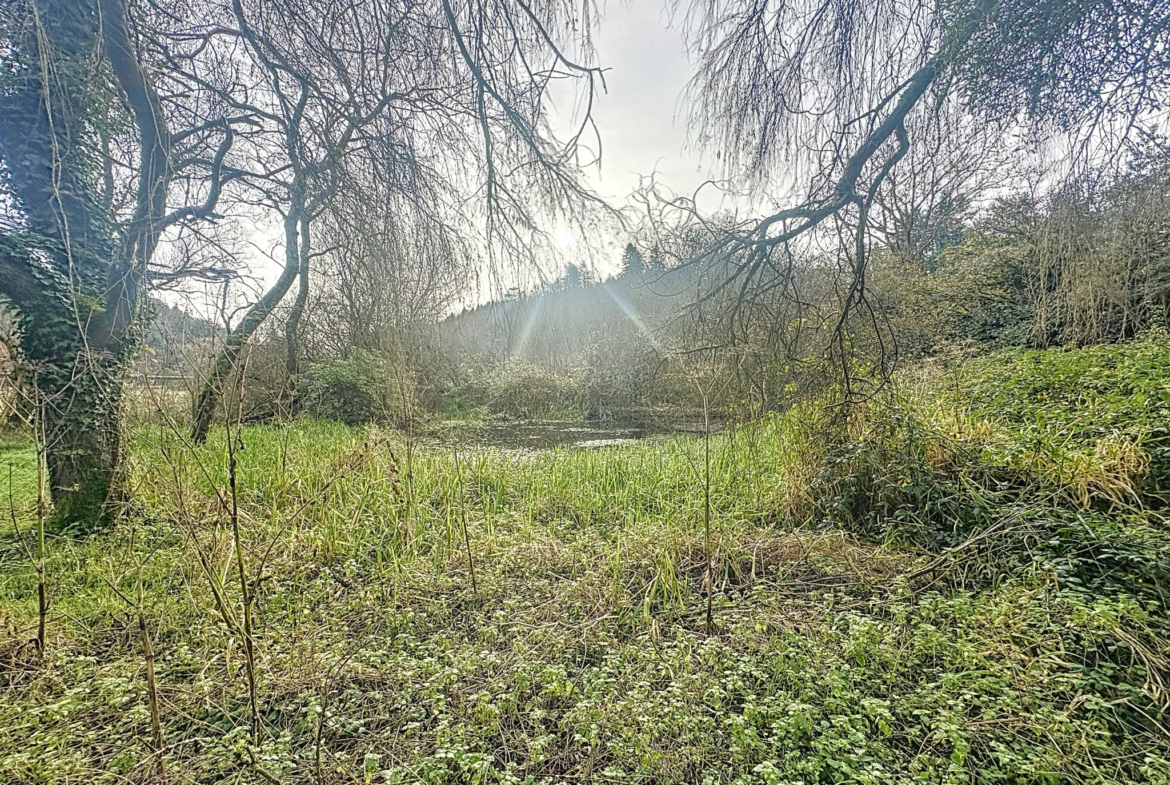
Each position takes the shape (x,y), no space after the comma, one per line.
(926,593)
(18,469)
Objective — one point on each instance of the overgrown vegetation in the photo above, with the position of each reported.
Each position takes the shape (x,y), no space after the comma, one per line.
(968,583)
(916,529)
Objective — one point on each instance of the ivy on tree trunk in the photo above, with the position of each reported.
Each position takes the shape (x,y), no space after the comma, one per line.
(72,273)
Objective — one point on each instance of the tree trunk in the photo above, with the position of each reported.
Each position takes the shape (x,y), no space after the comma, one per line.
(293,324)
(77,386)
(83,450)
(237,340)
(72,275)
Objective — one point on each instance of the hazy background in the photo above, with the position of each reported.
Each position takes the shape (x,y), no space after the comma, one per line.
(640,117)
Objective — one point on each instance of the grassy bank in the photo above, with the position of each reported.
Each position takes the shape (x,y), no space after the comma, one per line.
(963,583)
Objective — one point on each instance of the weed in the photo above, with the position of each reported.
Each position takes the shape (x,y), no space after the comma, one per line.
(935,593)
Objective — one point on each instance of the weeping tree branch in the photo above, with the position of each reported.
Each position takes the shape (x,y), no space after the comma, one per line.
(469,121)
(766,249)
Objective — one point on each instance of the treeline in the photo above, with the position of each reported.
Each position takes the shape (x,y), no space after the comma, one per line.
(1088,262)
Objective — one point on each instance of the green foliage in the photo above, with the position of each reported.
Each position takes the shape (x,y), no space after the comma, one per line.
(350,391)
(1084,394)
(1060,454)
(517,390)
(1087,264)
(1102,394)
(914,594)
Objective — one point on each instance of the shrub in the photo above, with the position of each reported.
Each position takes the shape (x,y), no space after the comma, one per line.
(351,391)
(514,389)
(527,391)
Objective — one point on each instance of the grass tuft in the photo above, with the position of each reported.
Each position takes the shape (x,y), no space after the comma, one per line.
(950,588)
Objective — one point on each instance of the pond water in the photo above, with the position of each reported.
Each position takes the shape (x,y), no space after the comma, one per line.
(530,435)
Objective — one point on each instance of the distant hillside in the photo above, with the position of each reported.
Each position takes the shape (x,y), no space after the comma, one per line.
(174,339)
(557,327)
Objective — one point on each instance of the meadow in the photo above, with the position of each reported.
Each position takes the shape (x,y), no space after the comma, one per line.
(964,581)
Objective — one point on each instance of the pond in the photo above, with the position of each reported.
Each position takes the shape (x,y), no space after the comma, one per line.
(545,435)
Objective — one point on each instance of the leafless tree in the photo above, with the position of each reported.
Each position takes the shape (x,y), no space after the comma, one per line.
(827,94)
(392,261)
(444,101)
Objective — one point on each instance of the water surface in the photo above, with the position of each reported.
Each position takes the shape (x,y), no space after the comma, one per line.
(545,435)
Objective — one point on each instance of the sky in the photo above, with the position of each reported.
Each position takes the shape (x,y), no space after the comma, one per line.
(641,118)
(640,114)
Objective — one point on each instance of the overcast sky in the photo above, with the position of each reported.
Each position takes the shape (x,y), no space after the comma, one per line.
(640,115)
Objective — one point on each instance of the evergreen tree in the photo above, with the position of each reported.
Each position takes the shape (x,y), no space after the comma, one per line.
(632,262)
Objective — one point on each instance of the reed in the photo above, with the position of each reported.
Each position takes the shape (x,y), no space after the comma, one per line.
(776,594)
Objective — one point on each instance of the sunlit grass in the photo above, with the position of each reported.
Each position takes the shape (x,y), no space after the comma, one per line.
(850,645)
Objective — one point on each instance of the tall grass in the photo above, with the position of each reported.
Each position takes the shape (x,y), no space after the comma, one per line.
(924,593)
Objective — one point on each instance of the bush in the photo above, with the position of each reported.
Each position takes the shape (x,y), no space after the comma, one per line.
(1046,471)
(351,391)
(518,390)
(527,391)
